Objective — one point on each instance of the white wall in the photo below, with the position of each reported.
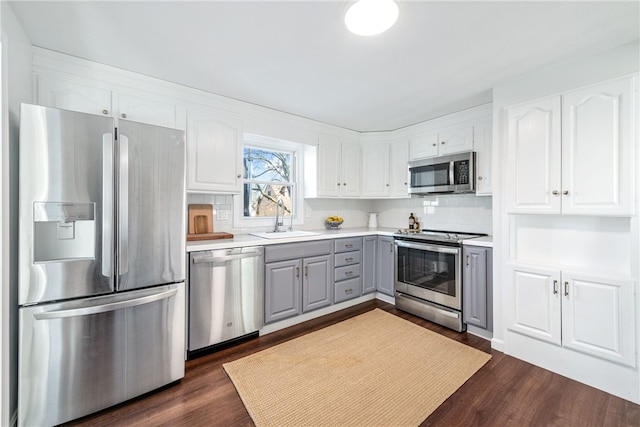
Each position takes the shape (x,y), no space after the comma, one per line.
(16,87)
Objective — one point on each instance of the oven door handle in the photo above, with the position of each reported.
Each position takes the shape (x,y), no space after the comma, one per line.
(423,247)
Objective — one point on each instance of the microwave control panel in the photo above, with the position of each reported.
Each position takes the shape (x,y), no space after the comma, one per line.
(462,172)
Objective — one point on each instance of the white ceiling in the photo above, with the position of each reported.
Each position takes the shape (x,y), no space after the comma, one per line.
(297,57)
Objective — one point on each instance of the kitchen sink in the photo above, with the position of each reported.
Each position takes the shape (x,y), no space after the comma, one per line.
(284,234)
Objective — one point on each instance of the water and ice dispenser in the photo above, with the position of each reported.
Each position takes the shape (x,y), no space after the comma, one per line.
(63,231)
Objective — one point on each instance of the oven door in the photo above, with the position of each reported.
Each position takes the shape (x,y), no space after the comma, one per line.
(429,271)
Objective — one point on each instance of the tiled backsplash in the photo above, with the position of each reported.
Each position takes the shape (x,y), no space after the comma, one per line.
(458,212)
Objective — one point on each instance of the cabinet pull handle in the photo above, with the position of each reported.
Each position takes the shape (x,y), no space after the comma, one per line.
(239,176)
(348,245)
(306,270)
(479,178)
(390,247)
(434,144)
(344,184)
(348,273)
(555,287)
(565,192)
(467,260)
(297,271)
(442,143)
(105,111)
(348,291)
(123,115)
(338,184)
(350,259)
(566,289)
(555,192)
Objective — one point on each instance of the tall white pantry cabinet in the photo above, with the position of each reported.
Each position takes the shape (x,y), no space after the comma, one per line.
(570,296)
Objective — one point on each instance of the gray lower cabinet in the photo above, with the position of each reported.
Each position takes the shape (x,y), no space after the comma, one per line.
(348,268)
(369,252)
(298,278)
(385,265)
(477,287)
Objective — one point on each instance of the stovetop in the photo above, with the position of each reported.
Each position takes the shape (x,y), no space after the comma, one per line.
(454,237)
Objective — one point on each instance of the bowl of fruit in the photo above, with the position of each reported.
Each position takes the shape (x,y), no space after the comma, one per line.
(333,222)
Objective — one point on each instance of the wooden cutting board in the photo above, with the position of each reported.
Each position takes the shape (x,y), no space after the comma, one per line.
(201,224)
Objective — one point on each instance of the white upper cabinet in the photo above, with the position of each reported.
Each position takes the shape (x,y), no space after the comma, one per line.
(69,95)
(455,140)
(375,170)
(423,145)
(132,105)
(384,169)
(339,168)
(597,141)
(214,152)
(572,154)
(398,172)
(482,145)
(533,174)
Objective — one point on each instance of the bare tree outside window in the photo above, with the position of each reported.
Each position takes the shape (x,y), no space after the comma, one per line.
(267,178)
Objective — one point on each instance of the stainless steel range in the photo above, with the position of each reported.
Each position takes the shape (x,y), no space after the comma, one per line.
(428,275)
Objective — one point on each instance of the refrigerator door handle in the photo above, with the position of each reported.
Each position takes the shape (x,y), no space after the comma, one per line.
(103,308)
(123,199)
(107,204)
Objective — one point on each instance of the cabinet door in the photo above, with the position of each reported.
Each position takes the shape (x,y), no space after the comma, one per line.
(597,155)
(456,140)
(69,95)
(482,145)
(535,303)
(214,152)
(282,290)
(398,172)
(475,286)
(369,250)
(533,163)
(598,317)
(145,110)
(329,161)
(375,170)
(351,169)
(385,266)
(317,284)
(423,146)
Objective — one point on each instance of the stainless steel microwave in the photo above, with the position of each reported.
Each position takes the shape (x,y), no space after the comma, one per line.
(454,173)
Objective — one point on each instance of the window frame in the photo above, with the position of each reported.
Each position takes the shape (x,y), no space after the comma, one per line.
(297,195)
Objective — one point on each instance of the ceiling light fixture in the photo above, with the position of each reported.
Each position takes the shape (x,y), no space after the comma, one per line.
(371,17)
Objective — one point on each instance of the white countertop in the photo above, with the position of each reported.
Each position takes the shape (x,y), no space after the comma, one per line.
(241,240)
(485,241)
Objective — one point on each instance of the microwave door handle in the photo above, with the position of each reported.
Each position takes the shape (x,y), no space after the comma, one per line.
(451,173)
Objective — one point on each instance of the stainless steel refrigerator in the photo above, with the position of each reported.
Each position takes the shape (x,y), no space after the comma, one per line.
(102,262)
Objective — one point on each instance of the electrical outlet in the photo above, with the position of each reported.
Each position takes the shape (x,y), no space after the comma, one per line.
(222,214)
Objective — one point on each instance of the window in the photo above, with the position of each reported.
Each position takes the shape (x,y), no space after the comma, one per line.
(272,173)
(268,179)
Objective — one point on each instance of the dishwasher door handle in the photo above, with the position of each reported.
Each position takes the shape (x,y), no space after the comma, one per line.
(208,258)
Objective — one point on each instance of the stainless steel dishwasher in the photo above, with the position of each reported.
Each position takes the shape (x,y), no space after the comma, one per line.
(226,296)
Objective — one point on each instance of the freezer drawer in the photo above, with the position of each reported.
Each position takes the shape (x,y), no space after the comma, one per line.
(109,348)
(226,295)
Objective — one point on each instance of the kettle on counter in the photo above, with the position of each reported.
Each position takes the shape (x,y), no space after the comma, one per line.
(373,220)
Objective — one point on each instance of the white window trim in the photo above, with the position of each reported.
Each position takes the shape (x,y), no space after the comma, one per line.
(258,141)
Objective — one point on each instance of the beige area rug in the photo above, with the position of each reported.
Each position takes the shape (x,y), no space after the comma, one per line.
(374,369)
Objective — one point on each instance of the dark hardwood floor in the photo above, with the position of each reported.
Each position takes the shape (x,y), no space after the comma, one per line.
(505,392)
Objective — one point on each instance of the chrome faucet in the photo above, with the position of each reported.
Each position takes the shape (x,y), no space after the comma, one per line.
(279,223)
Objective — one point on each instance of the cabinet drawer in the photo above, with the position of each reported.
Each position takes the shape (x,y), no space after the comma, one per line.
(296,250)
(347,272)
(347,258)
(346,245)
(347,289)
